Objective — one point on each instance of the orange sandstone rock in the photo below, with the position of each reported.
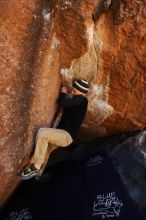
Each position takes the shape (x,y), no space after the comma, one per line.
(101,40)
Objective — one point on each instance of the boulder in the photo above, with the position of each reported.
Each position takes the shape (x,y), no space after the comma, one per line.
(46,42)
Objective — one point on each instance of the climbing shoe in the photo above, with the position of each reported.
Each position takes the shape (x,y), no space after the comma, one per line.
(29,172)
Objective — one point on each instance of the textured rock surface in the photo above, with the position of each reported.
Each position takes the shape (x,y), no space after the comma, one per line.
(30,83)
(130,159)
(100,40)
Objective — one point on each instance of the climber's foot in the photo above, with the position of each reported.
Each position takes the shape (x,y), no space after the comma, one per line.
(29,172)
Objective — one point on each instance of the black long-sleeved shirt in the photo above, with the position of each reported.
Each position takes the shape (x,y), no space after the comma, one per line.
(74,110)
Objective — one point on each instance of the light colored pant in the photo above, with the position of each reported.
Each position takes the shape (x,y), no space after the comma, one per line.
(48,139)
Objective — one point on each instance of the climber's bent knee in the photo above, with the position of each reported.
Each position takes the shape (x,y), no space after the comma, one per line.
(58,137)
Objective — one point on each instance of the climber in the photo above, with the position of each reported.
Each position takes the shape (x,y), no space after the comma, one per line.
(74,106)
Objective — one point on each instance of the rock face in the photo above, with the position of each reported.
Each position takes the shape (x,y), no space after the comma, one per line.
(129,158)
(43,42)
